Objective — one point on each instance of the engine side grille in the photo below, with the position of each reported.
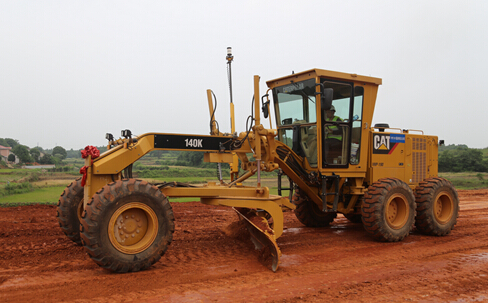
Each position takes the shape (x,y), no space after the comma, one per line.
(419,159)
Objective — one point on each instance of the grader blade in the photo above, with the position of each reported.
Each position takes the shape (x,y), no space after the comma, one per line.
(262,236)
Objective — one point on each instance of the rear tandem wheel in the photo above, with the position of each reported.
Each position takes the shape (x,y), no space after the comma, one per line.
(437,207)
(388,210)
(128,225)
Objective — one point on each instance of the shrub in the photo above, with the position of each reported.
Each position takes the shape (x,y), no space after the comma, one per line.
(16,188)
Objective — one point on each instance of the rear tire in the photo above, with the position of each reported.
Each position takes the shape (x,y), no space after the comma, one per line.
(308,213)
(128,225)
(388,210)
(70,207)
(437,207)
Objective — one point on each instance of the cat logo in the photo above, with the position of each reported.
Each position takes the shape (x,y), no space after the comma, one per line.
(386,144)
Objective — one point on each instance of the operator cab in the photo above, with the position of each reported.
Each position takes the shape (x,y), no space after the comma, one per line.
(320,119)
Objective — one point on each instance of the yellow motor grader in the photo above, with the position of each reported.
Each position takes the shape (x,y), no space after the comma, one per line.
(324,143)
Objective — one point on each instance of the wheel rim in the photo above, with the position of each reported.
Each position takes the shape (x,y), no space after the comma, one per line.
(397,211)
(443,207)
(133,228)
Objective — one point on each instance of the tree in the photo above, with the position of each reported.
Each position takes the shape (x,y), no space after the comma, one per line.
(73,153)
(451,147)
(22,152)
(11,142)
(461,159)
(445,161)
(46,159)
(57,159)
(35,153)
(59,152)
(11,158)
(194,159)
(3,142)
(470,159)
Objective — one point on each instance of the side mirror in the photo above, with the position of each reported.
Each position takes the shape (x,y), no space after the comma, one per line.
(264,108)
(326,99)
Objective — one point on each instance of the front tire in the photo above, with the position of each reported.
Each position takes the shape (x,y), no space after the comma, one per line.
(69,210)
(128,225)
(308,213)
(437,207)
(388,210)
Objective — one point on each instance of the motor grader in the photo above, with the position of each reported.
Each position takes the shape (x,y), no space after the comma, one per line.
(384,177)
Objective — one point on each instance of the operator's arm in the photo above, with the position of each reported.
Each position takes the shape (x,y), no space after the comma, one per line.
(332,129)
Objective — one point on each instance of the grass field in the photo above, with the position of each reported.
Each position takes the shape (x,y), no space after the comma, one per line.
(48,186)
(43,195)
(467,180)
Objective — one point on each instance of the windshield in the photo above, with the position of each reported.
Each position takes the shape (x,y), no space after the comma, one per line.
(295,103)
(295,106)
(339,128)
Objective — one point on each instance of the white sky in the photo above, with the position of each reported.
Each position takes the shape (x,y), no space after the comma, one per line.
(71,71)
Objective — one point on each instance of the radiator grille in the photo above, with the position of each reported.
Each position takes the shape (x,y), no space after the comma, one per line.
(419,144)
(419,159)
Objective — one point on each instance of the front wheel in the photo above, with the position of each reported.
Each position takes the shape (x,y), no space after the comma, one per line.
(70,207)
(388,210)
(437,207)
(128,225)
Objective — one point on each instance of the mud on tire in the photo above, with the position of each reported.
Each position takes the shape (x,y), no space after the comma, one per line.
(388,210)
(128,225)
(308,213)
(437,207)
(70,207)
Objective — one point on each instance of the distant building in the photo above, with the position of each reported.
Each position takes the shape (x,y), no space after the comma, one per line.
(5,152)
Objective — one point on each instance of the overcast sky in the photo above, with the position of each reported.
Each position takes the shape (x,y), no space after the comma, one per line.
(71,71)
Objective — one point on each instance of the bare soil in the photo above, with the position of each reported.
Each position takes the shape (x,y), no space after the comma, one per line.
(342,263)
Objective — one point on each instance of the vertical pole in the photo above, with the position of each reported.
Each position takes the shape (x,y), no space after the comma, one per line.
(257,124)
(257,111)
(232,117)
(213,127)
(234,166)
(230,58)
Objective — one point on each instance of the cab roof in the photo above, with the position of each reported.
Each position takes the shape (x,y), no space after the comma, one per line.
(327,74)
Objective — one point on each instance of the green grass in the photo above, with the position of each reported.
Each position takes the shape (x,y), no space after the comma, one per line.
(467,180)
(79,162)
(49,188)
(43,195)
(12,174)
(50,195)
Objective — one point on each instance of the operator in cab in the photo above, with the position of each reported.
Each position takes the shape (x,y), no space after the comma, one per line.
(332,135)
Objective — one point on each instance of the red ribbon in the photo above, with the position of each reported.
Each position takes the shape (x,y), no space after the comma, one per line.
(88,151)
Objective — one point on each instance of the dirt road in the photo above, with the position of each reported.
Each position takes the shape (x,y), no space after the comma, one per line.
(342,263)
